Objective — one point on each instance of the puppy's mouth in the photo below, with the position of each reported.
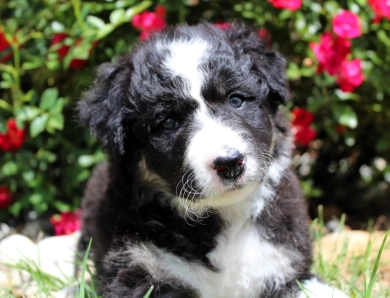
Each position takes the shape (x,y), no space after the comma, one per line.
(234,187)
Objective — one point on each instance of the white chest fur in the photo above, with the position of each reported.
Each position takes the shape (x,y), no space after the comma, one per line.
(247,264)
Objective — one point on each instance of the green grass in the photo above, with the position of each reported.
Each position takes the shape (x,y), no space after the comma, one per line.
(47,285)
(357,276)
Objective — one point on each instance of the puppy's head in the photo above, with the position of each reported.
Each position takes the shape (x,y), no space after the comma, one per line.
(195,108)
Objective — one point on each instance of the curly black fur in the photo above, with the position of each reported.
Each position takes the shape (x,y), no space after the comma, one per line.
(123,210)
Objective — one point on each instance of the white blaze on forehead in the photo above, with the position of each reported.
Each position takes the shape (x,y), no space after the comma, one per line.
(184,59)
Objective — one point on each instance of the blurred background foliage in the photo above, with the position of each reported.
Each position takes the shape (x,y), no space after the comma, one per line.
(50,48)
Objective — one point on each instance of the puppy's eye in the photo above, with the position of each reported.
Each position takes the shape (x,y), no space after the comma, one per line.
(236,101)
(169,123)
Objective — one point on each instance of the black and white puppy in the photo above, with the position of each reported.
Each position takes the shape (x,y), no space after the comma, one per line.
(197,198)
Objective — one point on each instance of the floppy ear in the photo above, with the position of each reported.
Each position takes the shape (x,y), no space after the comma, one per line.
(103,106)
(268,64)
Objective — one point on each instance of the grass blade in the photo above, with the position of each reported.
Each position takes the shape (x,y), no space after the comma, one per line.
(83,269)
(373,274)
(149,292)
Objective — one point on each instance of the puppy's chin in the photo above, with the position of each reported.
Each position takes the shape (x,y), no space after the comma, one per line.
(201,205)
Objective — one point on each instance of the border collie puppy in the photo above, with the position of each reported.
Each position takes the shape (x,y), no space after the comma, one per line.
(197,198)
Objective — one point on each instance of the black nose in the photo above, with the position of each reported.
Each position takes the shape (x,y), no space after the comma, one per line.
(231,165)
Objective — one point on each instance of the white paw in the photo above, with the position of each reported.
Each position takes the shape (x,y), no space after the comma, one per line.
(313,288)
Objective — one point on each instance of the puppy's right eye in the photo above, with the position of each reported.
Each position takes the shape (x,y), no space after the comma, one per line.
(236,101)
(169,123)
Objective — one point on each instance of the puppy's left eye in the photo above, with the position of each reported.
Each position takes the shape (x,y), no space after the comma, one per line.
(169,123)
(236,101)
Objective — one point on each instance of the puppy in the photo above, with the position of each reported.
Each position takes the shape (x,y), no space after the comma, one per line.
(197,198)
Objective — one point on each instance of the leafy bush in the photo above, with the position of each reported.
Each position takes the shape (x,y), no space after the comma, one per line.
(339,60)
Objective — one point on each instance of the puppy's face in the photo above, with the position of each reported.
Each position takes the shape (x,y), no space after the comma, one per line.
(199,103)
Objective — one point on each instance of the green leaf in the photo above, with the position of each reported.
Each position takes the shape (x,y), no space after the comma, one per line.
(29,96)
(10,168)
(346,95)
(7,77)
(315,7)
(382,36)
(374,57)
(48,98)
(345,115)
(285,14)
(293,72)
(36,198)
(95,22)
(52,64)
(81,51)
(58,106)
(38,125)
(117,16)
(107,29)
(26,113)
(5,85)
(332,7)
(34,63)
(5,105)
(56,122)
(383,145)
(86,160)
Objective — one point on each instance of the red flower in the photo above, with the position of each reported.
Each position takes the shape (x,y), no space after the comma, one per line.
(149,22)
(286,4)
(331,52)
(66,222)
(341,129)
(14,137)
(301,130)
(5,48)
(265,35)
(75,63)
(59,38)
(303,134)
(350,75)
(346,24)
(222,25)
(302,117)
(160,11)
(5,197)
(381,9)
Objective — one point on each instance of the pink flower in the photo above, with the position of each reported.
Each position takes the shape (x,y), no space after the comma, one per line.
(302,117)
(286,4)
(331,52)
(381,9)
(350,75)
(5,197)
(14,137)
(346,24)
(303,135)
(66,222)
(149,22)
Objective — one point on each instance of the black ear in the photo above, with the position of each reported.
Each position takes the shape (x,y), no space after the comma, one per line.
(102,107)
(268,64)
